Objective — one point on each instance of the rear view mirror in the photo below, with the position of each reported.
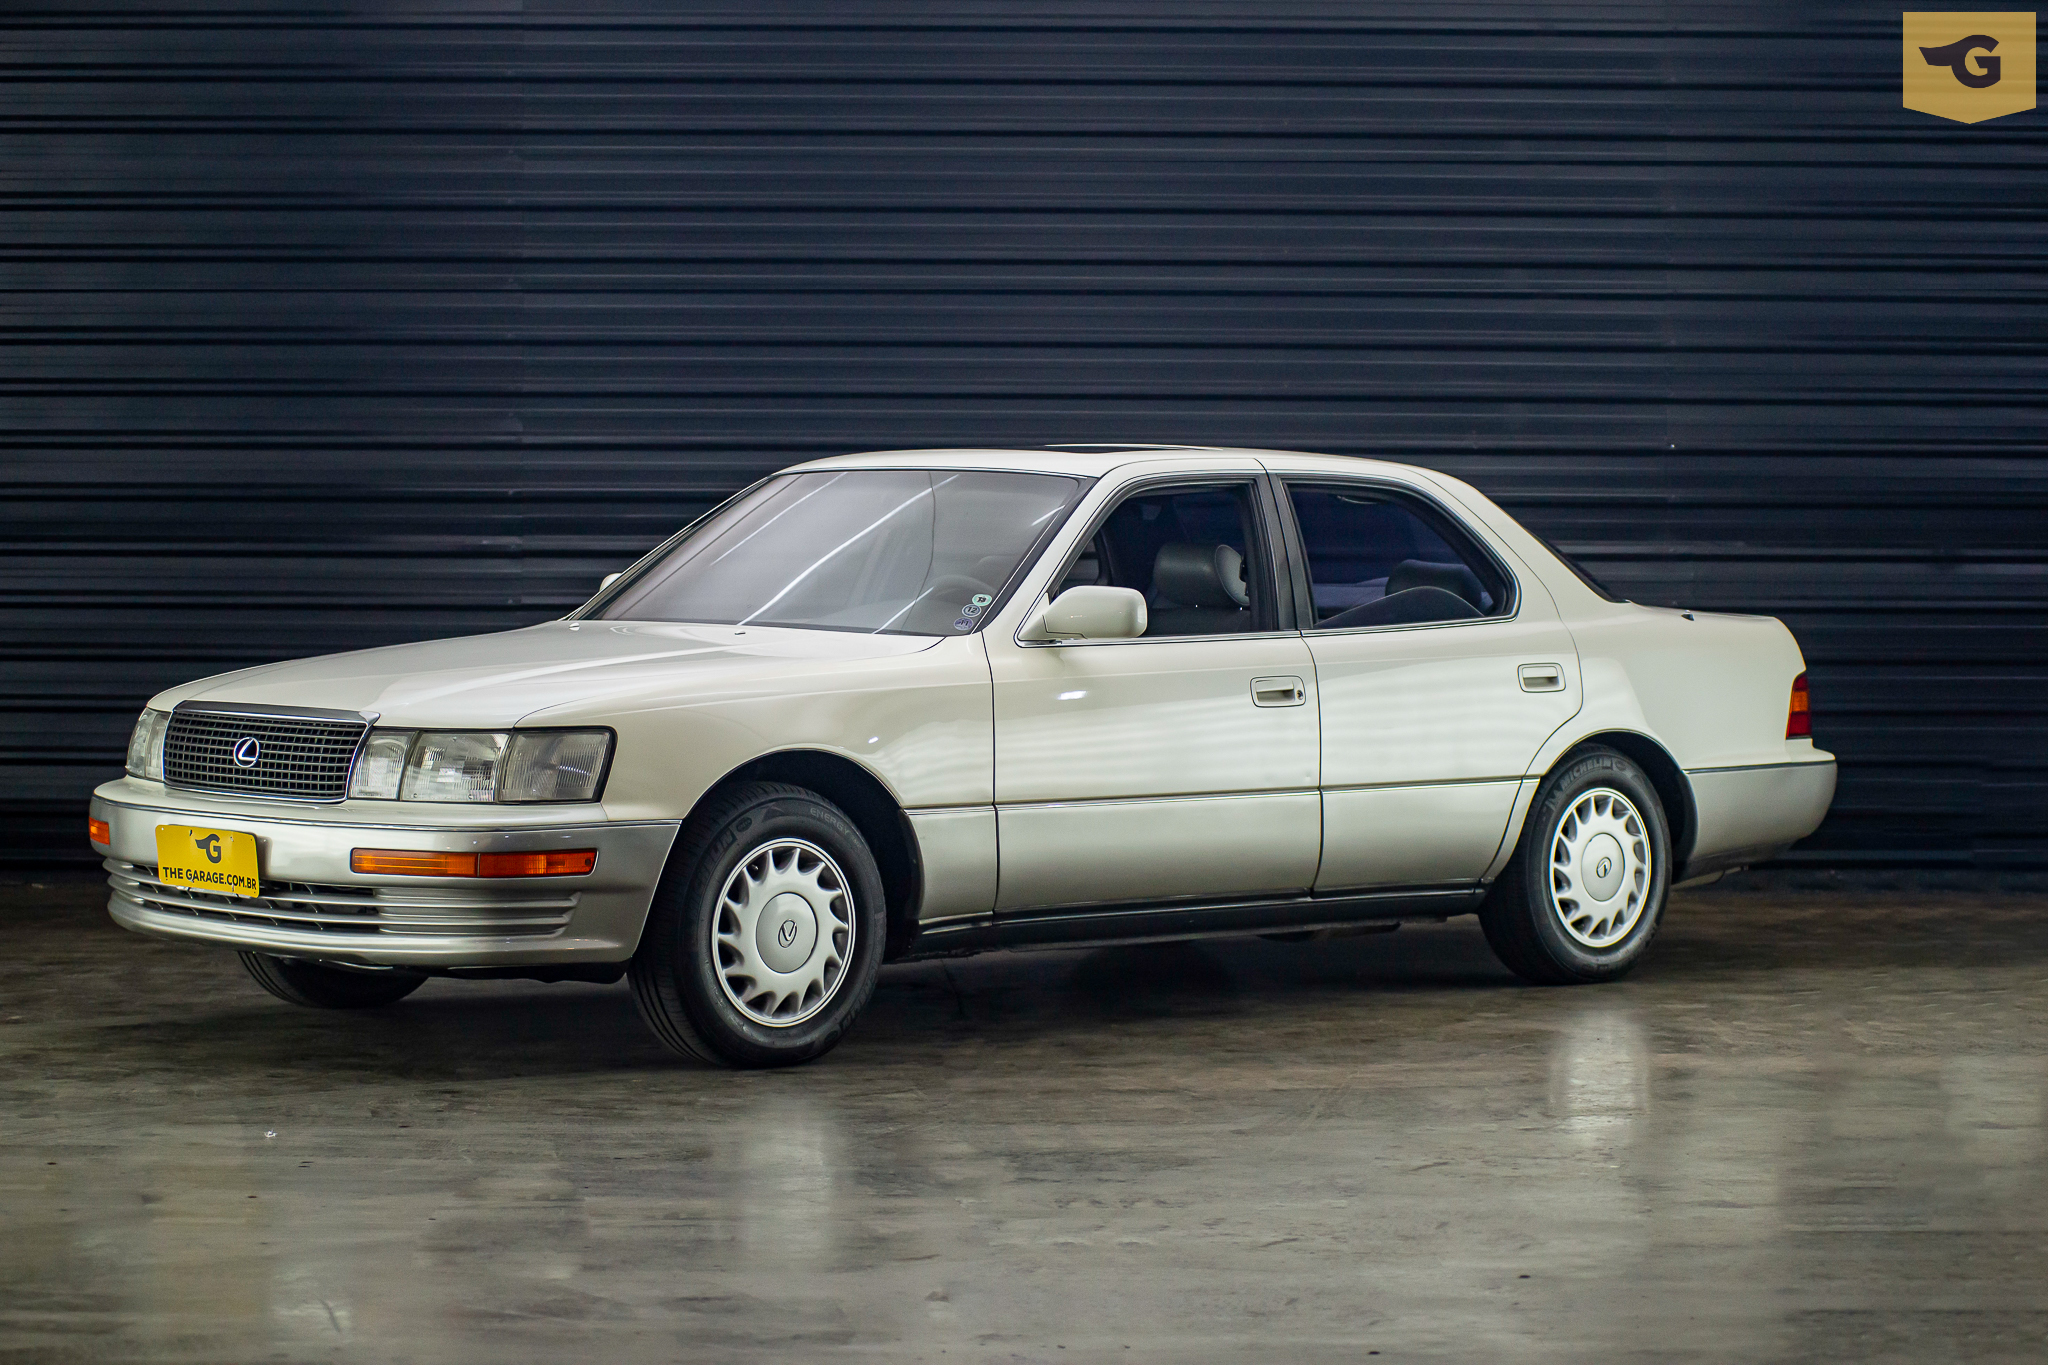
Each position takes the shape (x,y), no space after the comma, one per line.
(1090,613)
(607,581)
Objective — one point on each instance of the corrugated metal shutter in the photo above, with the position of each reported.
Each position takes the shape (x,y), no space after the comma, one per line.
(342,330)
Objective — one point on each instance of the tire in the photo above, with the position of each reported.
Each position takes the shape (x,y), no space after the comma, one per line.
(1595,829)
(321,987)
(731,973)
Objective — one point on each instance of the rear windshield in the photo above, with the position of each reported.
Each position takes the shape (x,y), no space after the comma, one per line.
(895,551)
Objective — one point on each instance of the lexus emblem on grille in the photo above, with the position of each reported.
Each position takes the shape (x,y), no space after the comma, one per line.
(247,751)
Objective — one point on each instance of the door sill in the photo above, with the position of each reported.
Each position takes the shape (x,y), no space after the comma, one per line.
(1151,922)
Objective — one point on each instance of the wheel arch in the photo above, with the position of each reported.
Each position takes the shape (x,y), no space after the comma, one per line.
(871,807)
(1674,789)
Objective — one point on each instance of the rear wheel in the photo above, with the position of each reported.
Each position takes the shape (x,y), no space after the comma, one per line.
(319,986)
(766,935)
(1584,894)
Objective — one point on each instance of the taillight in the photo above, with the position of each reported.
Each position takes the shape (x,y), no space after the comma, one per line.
(1799,720)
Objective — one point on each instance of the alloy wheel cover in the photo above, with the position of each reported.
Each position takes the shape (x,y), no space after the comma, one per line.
(1600,868)
(782,932)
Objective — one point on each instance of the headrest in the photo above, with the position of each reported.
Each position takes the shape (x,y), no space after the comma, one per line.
(1455,579)
(1191,575)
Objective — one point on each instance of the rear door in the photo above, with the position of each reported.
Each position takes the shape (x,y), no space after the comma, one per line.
(1439,676)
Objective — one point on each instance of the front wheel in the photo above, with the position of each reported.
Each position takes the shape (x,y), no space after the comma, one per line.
(766,935)
(319,986)
(1584,893)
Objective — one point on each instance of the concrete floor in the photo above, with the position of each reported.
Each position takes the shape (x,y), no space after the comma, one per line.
(1809,1128)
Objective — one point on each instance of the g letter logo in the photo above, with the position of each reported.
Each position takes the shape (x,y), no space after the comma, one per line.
(1969,66)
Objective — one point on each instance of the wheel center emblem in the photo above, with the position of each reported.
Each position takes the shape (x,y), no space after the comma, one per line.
(1603,867)
(247,752)
(787,936)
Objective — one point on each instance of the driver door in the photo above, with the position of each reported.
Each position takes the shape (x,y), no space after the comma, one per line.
(1181,765)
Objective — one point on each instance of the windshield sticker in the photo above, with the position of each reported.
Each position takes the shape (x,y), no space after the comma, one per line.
(976,605)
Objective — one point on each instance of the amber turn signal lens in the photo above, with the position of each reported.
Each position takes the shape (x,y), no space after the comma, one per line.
(1799,720)
(398,862)
(573,863)
(102,833)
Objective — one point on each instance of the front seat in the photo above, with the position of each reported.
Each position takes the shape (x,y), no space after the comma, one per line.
(1198,590)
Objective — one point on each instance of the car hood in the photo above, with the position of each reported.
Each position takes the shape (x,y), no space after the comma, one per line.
(489,681)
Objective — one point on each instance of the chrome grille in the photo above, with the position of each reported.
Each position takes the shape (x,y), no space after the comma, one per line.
(312,908)
(297,757)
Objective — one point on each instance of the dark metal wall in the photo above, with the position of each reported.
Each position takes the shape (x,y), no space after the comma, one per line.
(333,330)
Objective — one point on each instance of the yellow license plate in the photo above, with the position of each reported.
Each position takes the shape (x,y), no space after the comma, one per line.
(218,860)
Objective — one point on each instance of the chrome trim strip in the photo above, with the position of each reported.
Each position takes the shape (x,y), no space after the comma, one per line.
(371,897)
(272,796)
(497,821)
(1159,639)
(1763,767)
(416,948)
(289,911)
(1441,782)
(239,708)
(1174,798)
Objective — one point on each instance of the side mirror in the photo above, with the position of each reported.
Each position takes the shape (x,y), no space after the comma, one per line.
(1089,613)
(607,581)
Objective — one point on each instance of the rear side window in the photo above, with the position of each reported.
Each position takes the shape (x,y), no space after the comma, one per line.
(1378,558)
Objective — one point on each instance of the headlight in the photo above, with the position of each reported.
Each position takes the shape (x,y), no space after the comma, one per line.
(466,766)
(146,745)
(381,764)
(554,765)
(453,767)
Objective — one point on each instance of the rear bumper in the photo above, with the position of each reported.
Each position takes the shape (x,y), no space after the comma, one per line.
(313,906)
(1749,815)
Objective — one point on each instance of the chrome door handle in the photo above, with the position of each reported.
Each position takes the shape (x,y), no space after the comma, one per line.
(1278,692)
(1542,678)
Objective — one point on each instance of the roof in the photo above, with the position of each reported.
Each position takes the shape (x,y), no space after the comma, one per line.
(1091,461)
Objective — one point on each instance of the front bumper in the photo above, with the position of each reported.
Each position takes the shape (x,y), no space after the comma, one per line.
(313,906)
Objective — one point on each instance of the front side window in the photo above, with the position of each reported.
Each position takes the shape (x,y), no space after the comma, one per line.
(899,551)
(1195,554)
(1378,559)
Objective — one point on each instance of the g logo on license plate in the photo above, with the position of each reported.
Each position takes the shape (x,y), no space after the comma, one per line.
(247,752)
(220,862)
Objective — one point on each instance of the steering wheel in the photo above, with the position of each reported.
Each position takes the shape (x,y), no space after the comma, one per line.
(947,586)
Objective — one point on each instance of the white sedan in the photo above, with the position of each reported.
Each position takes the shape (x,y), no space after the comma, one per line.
(930,702)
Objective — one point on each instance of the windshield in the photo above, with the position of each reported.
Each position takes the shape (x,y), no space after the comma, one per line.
(909,551)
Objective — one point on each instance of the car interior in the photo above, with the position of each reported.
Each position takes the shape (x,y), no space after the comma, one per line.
(1376,559)
(1191,551)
